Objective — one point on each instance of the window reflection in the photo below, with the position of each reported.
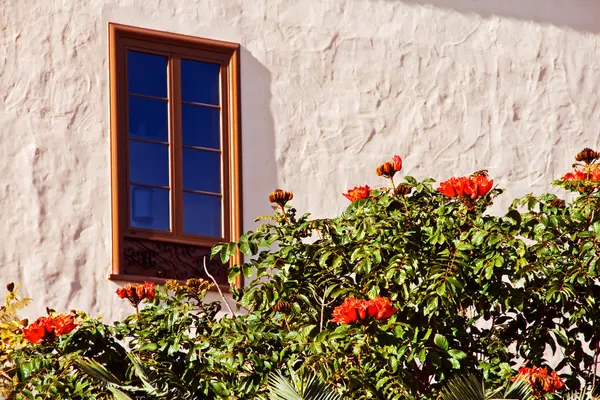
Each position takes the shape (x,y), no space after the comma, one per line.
(148,119)
(202,215)
(201,126)
(147,74)
(149,208)
(148,163)
(201,170)
(200,82)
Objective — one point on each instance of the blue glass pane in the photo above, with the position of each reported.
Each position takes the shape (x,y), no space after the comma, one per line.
(147,74)
(201,126)
(201,170)
(200,82)
(149,208)
(148,119)
(148,163)
(202,214)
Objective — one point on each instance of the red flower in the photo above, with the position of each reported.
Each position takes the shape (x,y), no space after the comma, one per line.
(350,311)
(34,333)
(49,327)
(576,175)
(358,193)
(64,324)
(540,380)
(472,186)
(381,308)
(149,291)
(397,163)
(137,293)
(389,168)
(353,310)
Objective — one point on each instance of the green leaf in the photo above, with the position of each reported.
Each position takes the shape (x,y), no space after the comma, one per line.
(220,389)
(459,355)
(441,342)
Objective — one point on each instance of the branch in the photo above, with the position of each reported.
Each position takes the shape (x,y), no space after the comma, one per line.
(218,287)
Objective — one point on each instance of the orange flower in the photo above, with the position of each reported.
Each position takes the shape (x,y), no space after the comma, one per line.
(34,333)
(473,186)
(397,163)
(64,324)
(540,380)
(350,311)
(389,168)
(122,292)
(358,193)
(49,327)
(137,293)
(381,308)
(353,310)
(576,175)
(149,291)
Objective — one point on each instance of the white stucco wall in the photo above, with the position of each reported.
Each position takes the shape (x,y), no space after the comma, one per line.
(329,90)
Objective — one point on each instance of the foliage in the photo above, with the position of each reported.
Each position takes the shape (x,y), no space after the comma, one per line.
(412,285)
(470,387)
(303,388)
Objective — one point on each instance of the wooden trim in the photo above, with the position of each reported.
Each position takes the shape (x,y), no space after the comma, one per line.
(177,154)
(123,38)
(175,39)
(158,281)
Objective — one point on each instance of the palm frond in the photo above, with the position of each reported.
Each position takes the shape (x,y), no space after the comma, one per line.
(306,388)
(464,388)
(520,389)
(583,394)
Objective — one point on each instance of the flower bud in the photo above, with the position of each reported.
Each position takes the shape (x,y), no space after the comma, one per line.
(10,287)
(558,203)
(402,190)
(587,156)
(280,197)
(282,306)
(387,169)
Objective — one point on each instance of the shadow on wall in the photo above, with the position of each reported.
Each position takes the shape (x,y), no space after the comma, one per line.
(580,15)
(259,170)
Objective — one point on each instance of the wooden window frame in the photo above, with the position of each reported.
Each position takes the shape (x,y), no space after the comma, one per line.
(175,46)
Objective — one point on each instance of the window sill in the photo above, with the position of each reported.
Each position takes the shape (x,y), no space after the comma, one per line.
(158,281)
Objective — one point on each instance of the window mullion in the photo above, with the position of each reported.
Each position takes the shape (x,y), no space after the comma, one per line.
(176,149)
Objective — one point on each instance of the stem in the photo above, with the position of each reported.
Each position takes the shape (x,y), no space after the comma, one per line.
(595,365)
(285,218)
(218,287)
(393,184)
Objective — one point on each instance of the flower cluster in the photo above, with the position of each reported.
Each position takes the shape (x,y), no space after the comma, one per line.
(539,378)
(353,310)
(588,173)
(280,197)
(137,293)
(473,187)
(358,193)
(49,328)
(389,168)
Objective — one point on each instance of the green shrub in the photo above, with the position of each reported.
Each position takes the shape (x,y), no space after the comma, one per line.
(412,285)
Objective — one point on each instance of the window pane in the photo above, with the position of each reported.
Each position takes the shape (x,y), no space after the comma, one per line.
(201,126)
(200,82)
(147,74)
(201,170)
(148,163)
(202,214)
(149,208)
(148,119)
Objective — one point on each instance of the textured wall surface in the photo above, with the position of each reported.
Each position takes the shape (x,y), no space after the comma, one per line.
(329,90)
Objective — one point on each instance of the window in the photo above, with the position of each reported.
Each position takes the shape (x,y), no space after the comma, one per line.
(174,153)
